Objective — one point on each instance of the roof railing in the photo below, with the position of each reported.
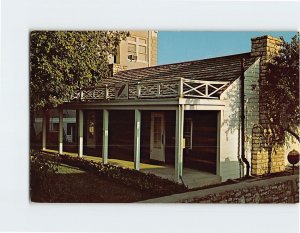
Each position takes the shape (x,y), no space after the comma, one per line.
(149,89)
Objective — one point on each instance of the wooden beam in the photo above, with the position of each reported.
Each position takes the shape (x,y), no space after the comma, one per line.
(179,143)
(203,108)
(105,136)
(60,131)
(219,138)
(80,133)
(137,138)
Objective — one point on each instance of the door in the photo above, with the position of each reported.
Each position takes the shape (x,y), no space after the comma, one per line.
(157,138)
(71,132)
(90,130)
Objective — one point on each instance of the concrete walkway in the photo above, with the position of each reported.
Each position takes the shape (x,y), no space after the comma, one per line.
(191,177)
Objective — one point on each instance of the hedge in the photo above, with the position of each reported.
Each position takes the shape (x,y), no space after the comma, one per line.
(146,182)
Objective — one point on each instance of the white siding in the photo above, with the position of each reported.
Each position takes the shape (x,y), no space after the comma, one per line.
(230,167)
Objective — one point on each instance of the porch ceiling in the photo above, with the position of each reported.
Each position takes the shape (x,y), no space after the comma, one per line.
(149,104)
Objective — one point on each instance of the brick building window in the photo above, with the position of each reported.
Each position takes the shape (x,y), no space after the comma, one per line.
(137,49)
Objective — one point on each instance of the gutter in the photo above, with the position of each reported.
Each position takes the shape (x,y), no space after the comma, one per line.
(243,157)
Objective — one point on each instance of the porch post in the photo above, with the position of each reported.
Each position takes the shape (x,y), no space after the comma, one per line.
(80,133)
(137,138)
(60,131)
(105,137)
(219,130)
(179,142)
(44,133)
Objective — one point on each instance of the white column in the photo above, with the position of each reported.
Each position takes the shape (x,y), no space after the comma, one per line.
(80,133)
(44,135)
(105,137)
(179,142)
(137,138)
(219,130)
(180,87)
(60,132)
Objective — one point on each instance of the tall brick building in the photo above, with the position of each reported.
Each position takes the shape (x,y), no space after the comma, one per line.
(139,50)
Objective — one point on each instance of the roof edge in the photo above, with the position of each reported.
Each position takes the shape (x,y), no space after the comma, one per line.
(177,63)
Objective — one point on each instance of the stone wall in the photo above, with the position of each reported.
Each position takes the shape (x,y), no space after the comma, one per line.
(265,48)
(262,160)
(283,189)
(117,68)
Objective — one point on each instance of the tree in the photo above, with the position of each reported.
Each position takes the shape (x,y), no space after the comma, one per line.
(281,94)
(63,62)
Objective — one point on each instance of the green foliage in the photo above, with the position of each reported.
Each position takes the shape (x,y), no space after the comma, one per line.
(281,94)
(42,176)
(149,183)
(62,62)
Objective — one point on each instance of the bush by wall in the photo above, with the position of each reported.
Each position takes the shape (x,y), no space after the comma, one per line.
(42,176)
(149,183)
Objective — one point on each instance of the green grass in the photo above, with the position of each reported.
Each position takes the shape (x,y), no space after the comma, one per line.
(74,185)
(65,169)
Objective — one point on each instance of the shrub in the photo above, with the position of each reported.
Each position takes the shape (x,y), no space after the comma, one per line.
(42,176)
(146,182)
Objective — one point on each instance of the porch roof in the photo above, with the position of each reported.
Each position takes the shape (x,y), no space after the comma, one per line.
(200,79)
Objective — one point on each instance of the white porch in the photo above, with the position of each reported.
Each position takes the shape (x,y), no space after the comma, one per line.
(176,95)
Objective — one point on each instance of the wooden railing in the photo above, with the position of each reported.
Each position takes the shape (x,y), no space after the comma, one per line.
(172,88)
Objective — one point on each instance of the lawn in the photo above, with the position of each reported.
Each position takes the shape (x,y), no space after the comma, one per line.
(71,184)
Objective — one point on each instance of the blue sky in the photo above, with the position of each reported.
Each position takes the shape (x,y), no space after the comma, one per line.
(178,46)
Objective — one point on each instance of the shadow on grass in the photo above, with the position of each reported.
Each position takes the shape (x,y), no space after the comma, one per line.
(75,186)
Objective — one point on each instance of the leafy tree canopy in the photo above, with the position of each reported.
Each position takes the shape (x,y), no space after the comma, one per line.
(62,62)
(282,90)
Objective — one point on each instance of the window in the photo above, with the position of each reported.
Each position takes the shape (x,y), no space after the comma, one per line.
(55,127)
(70,128)
(137,49)
(142,53)
(188,133)
(91,125)
(132,49)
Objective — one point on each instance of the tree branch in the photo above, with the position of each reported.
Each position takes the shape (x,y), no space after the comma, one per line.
(293,133)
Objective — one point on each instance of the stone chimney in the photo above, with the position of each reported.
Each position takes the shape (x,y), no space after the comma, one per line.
(265,48)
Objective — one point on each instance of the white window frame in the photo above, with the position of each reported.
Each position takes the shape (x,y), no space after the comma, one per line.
(188,122)
(138,43)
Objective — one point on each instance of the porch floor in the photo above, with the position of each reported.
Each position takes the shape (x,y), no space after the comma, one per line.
(191,177)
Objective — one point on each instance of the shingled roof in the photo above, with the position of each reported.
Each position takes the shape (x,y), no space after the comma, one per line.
(225,68)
